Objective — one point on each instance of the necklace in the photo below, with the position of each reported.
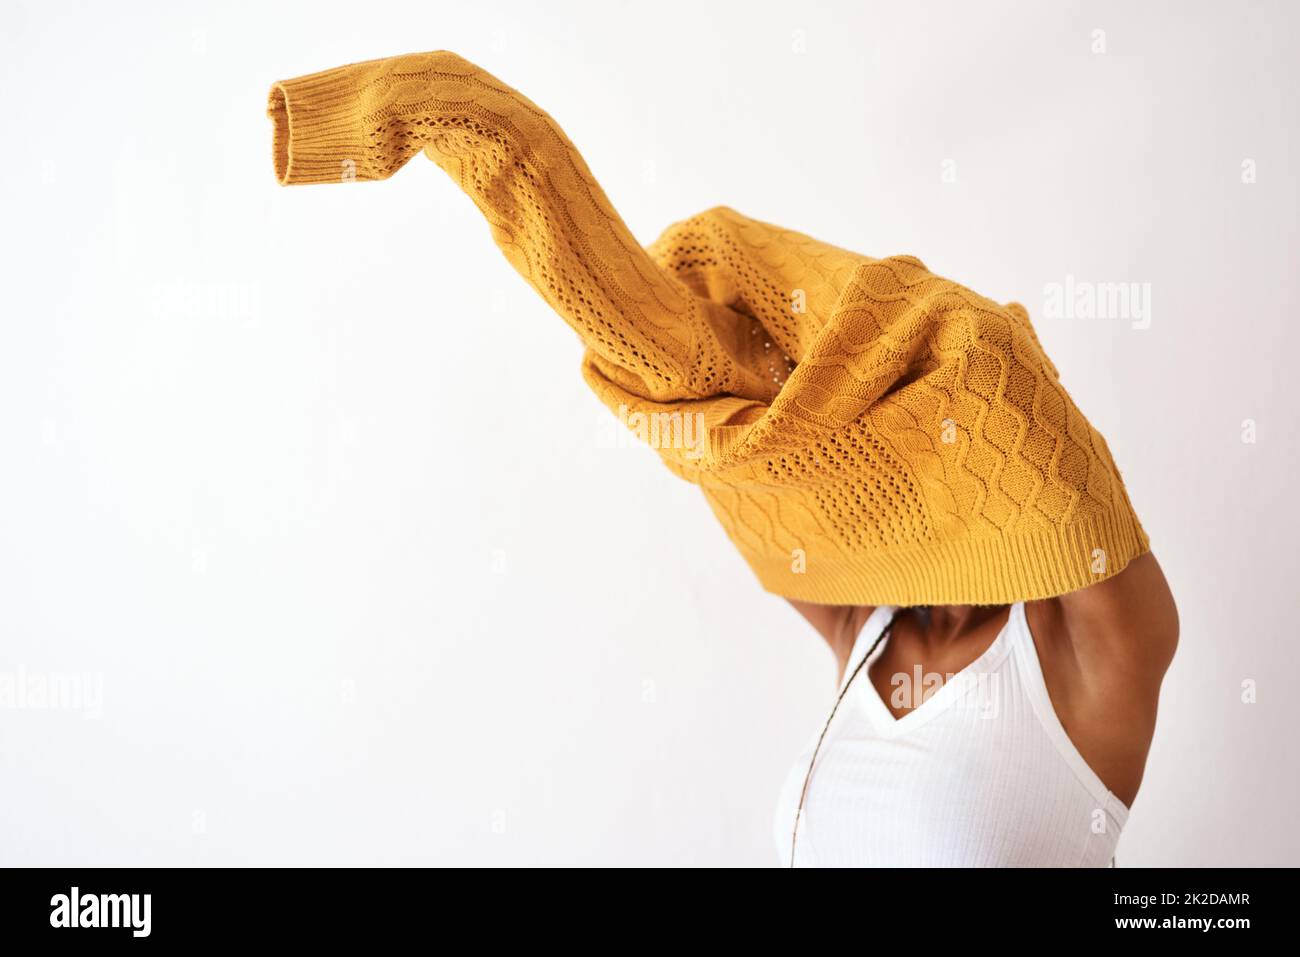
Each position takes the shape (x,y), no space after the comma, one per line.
(803,794)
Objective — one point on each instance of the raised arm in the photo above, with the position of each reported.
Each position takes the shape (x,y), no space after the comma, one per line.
(1126,625)
(837,624)
(1109,646)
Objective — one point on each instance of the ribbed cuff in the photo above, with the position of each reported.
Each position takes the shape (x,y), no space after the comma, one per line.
(319,133)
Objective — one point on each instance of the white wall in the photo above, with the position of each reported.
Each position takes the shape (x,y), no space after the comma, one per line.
(307,483)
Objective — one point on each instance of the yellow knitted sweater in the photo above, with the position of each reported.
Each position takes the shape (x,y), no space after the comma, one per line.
(865,431)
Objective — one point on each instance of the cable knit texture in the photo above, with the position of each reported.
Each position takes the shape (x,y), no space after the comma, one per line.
(865,431)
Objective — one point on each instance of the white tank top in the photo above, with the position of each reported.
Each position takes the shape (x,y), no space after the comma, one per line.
(981,774)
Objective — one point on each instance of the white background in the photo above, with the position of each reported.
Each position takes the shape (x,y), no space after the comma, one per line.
(307,482)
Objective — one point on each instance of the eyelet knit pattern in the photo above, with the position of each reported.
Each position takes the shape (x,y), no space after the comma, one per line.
(869,433)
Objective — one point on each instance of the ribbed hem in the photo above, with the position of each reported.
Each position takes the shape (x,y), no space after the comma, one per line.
(995,570)
(319,134)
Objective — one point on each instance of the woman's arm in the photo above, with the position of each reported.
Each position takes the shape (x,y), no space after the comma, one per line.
(1127,624)
(837,624)
(1105,651)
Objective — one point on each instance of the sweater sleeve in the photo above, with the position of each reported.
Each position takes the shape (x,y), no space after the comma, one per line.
(644,329)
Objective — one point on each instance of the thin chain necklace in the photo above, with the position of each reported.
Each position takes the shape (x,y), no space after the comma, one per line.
(803,795)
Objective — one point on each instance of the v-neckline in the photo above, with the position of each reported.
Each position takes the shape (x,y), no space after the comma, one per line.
(950,691)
